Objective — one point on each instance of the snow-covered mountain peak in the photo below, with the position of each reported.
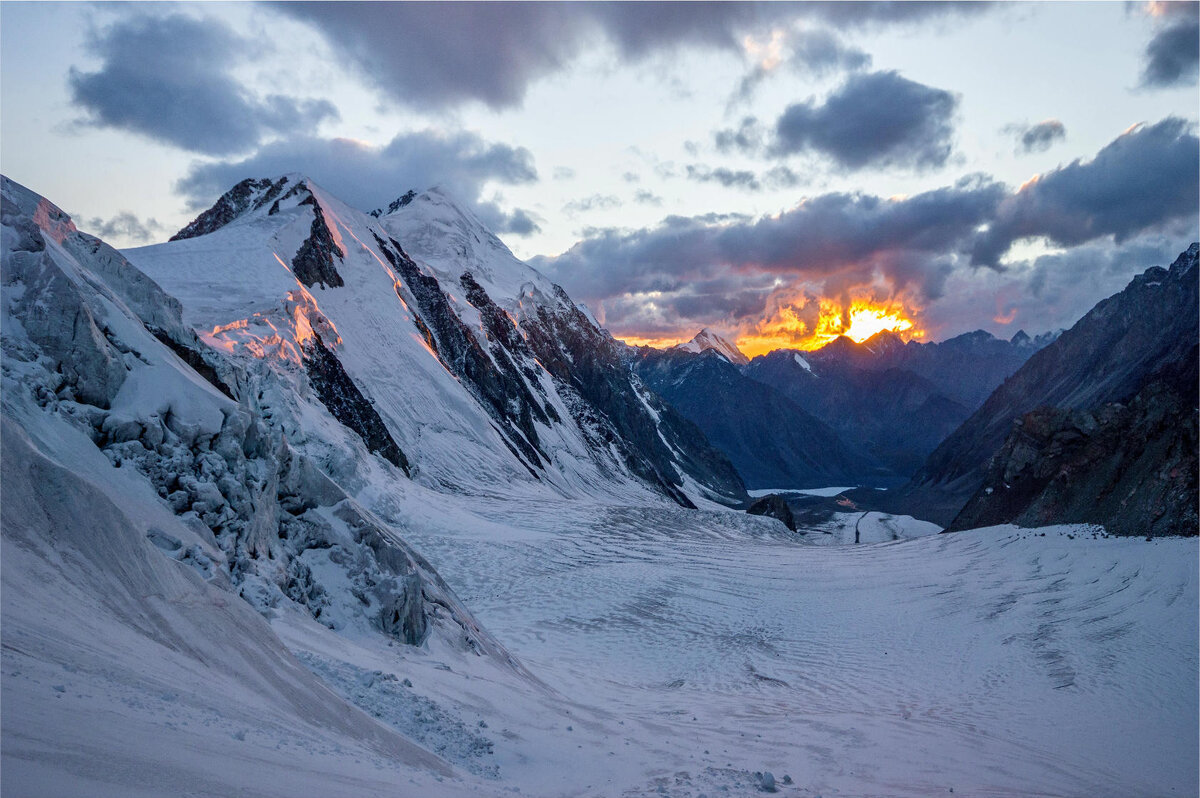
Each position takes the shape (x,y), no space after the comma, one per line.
(450,239)
(707,339)
(422,325)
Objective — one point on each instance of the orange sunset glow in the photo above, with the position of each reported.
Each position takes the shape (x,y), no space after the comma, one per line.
(787,330)
(859,321)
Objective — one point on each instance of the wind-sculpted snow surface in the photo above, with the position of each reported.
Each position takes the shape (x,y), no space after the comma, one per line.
(1000,662)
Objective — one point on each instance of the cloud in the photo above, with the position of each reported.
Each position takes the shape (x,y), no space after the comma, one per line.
(1142,180)
(519,222)
(644,197)
(748,137)
(835,239)
(367,176)
(726,177)
(876,119)
(921,251)
(809,52)
(1039,137)
(440,55)
(1051,290)
(776,177)
(1173,55)
(124,228)
(170,79)
(595,202)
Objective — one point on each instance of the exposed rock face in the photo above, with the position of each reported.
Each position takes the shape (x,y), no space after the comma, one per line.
(893,400)
(1106,357)
(895,416)
(346,403)
(395,204)
(655,440)
(1129,467)
(775,506)
(769,439)
(494,381)
(541,352)
(313,262)
(250,194)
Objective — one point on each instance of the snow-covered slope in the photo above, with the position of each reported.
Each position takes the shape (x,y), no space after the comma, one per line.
(151,522)
(211,583)
(482,373)
(707,339)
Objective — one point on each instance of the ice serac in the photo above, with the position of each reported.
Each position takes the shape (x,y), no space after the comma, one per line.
(152,479)
(1133,349)
(706,339)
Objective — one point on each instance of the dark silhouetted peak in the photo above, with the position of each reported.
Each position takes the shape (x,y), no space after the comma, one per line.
(1021,339)
(884,341)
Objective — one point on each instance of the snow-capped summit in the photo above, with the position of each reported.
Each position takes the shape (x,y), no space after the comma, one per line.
(707,339)
(424,334)
(450,239)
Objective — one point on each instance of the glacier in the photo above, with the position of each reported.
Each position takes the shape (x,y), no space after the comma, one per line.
(218,576)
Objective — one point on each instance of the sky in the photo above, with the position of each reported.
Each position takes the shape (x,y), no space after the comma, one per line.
(770,171)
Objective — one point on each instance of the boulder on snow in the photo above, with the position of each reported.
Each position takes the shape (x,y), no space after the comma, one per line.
(775,506)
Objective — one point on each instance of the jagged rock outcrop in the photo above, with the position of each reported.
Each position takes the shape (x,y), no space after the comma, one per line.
(313,263)
(250,194)
(1109,356)
(774,506)
(346,403)
(1131,467)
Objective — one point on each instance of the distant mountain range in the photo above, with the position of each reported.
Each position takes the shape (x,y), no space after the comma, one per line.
(849,413)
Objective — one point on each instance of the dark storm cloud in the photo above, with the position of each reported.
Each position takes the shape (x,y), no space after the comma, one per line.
(169,78)
(1141,181)
(124,227)
(440,55)
(1137,199)
(368,177)
(877,119)
(816,240)
(1039,137)
(519,223)
(1173,55)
